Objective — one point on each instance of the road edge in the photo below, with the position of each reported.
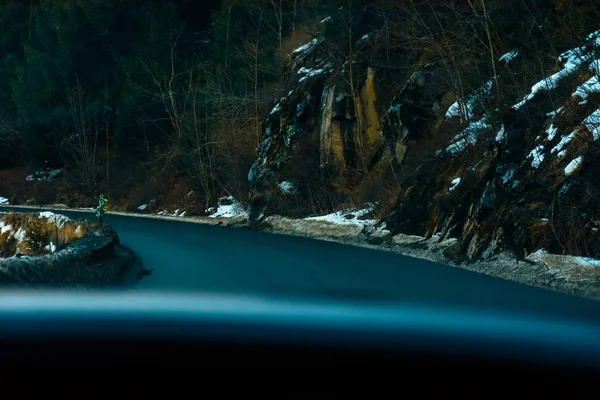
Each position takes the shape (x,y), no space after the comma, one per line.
(532,272)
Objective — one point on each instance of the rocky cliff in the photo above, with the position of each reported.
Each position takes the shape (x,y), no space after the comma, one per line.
(506,162)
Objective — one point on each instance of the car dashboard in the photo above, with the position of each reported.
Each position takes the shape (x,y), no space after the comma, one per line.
(158,329)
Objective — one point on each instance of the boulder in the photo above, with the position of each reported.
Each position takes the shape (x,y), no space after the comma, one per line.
(95,260)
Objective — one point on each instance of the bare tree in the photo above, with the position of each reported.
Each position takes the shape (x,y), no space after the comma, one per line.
(174,89)
(278,12)
(82,144)
(254,51)
(485,20)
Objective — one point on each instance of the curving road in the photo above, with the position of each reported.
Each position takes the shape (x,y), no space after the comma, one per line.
(196,257)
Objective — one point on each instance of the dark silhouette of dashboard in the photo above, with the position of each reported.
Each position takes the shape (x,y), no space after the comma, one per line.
(155,329)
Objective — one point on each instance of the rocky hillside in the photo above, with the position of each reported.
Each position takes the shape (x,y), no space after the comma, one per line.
(466,119)
(503,158)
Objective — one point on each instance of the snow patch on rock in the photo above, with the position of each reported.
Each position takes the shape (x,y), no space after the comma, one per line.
(537,156)
(44,175)
(455,182)
(306,47)
(592,123)
(563,142)
(573,165)
(573,60)
(508,57)
(468,136)
(58,219)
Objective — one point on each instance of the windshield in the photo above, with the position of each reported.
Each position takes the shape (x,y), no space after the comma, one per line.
(357,150)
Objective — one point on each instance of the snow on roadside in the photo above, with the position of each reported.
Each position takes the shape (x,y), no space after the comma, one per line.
(347,217)
(559,259)
(228,208)
(3,200)
(587,262)
(176,213)
(380,231)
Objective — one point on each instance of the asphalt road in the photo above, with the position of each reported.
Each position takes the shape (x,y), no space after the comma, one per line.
(203,258)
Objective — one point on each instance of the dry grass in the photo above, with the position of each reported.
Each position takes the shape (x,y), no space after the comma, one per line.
(380,188)
(39,233)
(540,234)
(7,244)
